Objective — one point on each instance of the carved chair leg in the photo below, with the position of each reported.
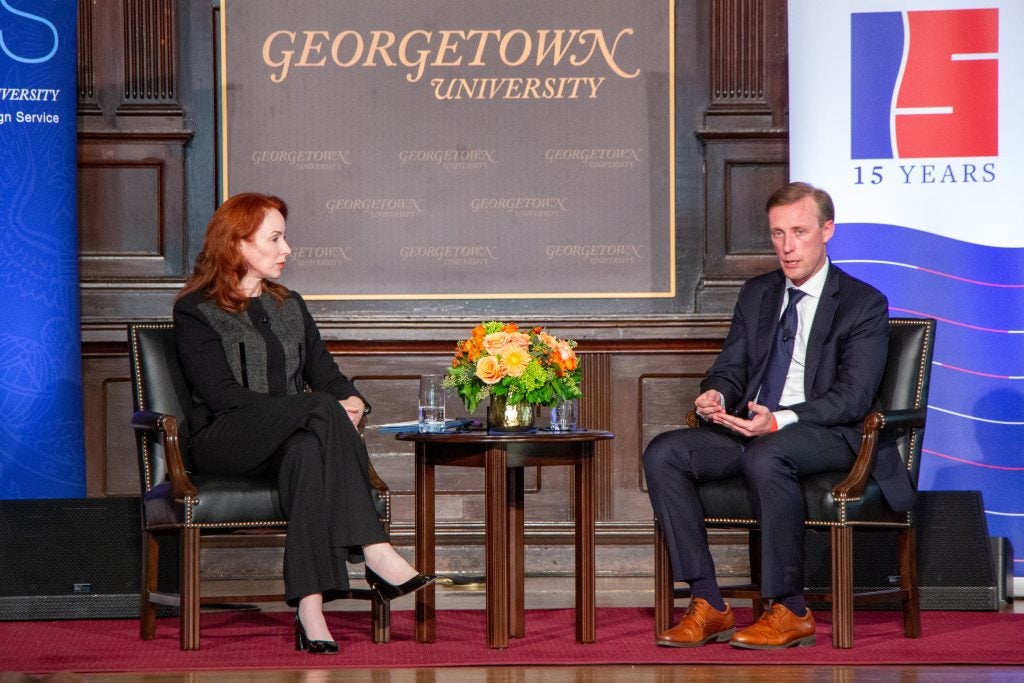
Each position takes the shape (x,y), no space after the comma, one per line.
(908,582)
(150,566)
(842,587)
(189,589)
(380,621)
(758,603)
(664,593)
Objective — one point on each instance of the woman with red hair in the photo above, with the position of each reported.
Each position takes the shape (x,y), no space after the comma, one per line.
(249,348)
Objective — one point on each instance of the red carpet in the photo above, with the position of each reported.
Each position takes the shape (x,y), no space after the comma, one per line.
(263,640)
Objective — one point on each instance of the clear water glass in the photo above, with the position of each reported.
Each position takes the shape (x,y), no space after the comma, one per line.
(565,415)
(431,410)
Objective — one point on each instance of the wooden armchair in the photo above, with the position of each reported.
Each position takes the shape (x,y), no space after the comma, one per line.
(838,501)
(202,511)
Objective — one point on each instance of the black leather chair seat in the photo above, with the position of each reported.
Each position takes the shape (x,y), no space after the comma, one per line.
(219,501)
(729,499)
(870,507)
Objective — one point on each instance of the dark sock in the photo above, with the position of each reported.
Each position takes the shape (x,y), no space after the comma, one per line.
(708,589)
(794,603)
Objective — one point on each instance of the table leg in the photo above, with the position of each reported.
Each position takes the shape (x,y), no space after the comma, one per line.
(424,525)
(516,554)
(585,569)
(497,523)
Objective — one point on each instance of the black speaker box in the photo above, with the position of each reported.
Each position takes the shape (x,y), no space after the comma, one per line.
(74,559)
(959,566)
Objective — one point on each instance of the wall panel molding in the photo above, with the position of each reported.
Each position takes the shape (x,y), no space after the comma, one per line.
(747,44)
(88,103)
(150,59)
(742,173)
(738,57)
(131,222)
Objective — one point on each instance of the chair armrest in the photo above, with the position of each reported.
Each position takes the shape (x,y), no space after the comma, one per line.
(902,419)
(852,486)
(379,484)
(375,481)
(165,427)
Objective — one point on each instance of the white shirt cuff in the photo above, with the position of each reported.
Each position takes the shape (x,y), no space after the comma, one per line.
(785,417)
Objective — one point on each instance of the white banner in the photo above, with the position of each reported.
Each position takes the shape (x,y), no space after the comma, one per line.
(909,113)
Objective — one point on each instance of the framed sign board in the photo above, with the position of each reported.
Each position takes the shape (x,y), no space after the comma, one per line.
(465,149)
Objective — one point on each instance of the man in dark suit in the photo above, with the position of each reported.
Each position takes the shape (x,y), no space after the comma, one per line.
(784,399)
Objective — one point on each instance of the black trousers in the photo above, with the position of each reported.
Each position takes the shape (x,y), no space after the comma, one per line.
(310,446)
(676,462)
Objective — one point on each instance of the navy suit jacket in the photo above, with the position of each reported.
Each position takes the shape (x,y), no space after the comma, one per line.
(846,355)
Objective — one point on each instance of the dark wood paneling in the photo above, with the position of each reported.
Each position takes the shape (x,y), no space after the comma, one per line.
(127,191)
(88,102)
(737,65)
(748,47)
(742,171)
(111,466)
(662,407)
(130,216)
(745,142)
(150,58)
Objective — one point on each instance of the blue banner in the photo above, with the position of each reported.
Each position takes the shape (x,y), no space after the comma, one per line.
(41,439)
(908,112)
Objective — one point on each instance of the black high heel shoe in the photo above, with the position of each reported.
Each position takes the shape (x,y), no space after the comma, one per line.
(313,647)
(388,591)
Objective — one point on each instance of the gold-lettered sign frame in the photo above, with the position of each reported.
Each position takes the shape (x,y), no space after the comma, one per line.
(234,89)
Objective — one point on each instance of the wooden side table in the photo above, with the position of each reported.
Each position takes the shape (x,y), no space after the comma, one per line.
(503,457)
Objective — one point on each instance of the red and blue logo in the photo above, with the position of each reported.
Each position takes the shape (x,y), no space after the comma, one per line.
(925,84)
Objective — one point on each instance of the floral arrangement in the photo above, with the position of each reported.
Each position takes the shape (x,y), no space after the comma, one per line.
(532,367)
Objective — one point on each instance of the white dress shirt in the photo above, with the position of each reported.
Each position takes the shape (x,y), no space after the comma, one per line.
(793,391)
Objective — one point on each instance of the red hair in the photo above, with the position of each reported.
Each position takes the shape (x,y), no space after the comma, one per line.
(220,267)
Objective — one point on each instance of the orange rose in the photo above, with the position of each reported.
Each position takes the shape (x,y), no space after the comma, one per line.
(495,342)
(489,370)
(519,340)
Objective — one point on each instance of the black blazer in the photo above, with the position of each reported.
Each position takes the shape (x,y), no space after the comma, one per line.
(846,355)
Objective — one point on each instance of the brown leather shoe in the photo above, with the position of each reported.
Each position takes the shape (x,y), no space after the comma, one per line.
(777,628)
(702,623)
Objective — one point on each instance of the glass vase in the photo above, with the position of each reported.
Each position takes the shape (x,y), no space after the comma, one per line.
(505,417)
